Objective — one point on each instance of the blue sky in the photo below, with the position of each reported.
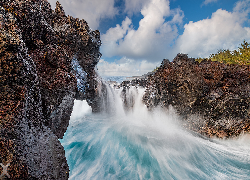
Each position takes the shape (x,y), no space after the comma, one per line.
(138,34)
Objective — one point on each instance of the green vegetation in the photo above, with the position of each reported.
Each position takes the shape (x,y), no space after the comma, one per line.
(156,68)
(240,56)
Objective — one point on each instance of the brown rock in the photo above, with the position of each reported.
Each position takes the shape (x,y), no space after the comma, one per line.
(217,93)
(38,86)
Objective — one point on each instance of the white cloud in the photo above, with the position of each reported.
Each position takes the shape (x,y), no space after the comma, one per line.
(222,31)
(242,7)
(208,1)
(125,67)
(134,6)
(151,40)
(89,10)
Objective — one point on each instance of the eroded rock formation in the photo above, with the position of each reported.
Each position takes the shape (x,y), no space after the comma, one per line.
(213,98)
(39,49)
(38,85)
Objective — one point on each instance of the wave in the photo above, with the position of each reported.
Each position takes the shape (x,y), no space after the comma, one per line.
(139,144)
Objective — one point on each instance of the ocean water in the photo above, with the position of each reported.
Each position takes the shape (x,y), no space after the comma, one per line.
(137,144)
(118,79)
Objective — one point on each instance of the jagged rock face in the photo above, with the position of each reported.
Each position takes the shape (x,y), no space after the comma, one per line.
(213,98)
(38,86)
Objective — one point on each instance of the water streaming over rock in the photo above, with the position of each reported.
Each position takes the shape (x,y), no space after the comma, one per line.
(134,143)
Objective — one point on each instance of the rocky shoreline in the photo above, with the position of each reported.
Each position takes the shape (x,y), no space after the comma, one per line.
(48,60)
(212,98)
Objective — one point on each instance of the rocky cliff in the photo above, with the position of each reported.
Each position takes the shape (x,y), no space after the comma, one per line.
(39,84)
(212,98)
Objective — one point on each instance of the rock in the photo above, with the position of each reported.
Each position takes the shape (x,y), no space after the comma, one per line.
(165,62)
(212,98)
(38,85)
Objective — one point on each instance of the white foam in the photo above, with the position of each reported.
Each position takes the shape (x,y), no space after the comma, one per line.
(80,109)
(120,132)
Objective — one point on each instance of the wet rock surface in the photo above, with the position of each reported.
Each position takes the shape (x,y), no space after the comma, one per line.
(212,98)
(38,85)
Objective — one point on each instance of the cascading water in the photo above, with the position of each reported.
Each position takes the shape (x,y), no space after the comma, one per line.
(134,143)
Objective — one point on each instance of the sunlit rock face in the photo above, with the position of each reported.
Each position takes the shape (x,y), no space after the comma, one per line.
(38,85)
(213,98)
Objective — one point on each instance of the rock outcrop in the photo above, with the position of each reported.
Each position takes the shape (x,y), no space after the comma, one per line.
(212,98)
(48,60)
(39,85)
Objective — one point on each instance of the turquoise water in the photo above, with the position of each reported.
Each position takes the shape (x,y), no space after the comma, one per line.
(138,144)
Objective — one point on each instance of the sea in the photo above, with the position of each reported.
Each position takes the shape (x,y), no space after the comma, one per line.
(133,143)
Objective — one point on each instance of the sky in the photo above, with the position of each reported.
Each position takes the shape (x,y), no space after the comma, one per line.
(137,35)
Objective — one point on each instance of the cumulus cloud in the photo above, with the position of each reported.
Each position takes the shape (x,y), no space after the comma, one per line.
(125,67)
(222,31)
(151,40)
(90,10)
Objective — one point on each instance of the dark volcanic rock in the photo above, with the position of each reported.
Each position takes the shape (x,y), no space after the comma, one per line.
(38,86)
(213,98)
